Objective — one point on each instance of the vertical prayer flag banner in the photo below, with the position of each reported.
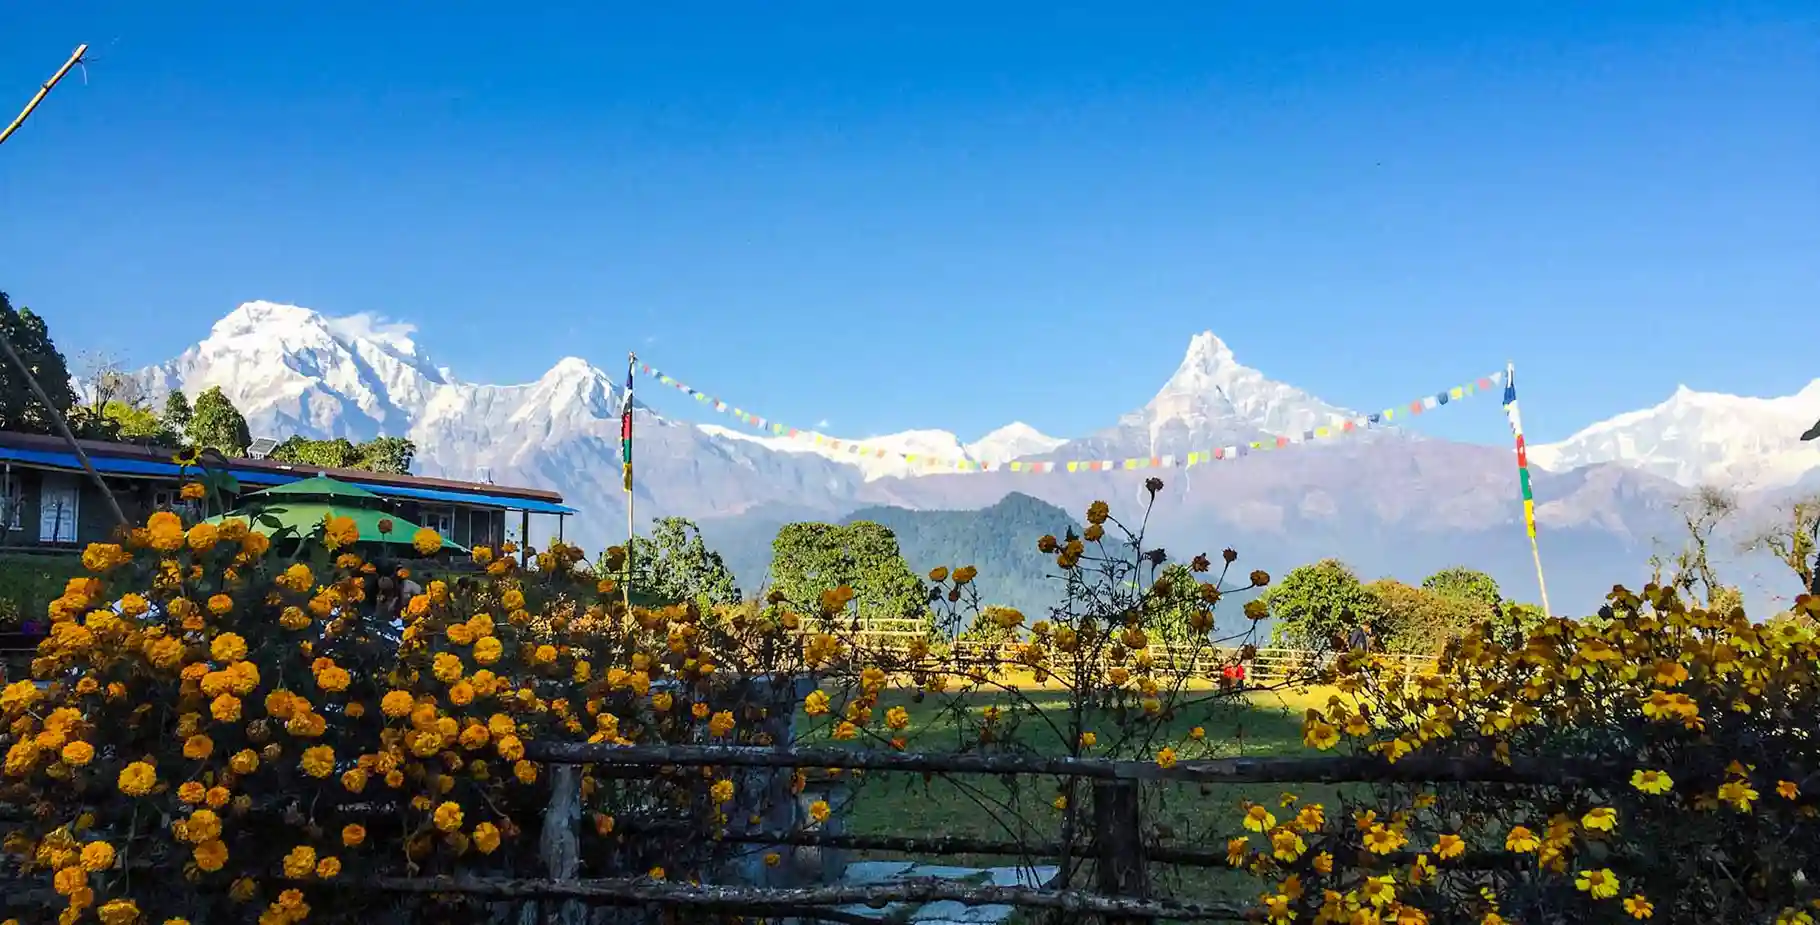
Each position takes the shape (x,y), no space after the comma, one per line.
(625,432)
(1515,415)
(1336,428)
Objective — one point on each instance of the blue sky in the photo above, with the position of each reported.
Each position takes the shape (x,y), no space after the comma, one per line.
(981,213)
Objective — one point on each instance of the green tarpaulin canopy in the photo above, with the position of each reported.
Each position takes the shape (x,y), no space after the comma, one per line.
(304,516)
(319,487)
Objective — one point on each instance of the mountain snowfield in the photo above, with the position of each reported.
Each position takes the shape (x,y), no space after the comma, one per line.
(1384,502)
(1703,438)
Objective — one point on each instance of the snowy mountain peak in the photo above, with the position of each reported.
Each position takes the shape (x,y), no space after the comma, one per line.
(1012,441)
(1697,438)
(1213,399)
(1206,352)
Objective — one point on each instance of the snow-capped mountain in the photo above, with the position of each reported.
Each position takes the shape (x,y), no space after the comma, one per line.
(1210,400)
(1378,500)
(1696,438)
(292,370)
(1015,440)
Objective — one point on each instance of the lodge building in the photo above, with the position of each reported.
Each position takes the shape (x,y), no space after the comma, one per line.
(48,503)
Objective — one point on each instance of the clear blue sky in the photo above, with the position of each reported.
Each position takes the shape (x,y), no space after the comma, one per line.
(977,213)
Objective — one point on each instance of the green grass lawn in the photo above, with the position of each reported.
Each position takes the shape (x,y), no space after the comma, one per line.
(1020,809)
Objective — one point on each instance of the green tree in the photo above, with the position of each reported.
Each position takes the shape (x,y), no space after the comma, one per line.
(1420,621)
(1314,605)
(20,409)
(177,412)
(1466,584)
(386,454)
(675,564)
(216,424)
(1178,605)
(809,558)
(338,453)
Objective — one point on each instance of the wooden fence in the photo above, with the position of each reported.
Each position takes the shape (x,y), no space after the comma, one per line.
(1115,846)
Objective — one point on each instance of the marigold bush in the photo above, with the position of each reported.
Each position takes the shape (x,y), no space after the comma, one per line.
(218,732)
(1657,763)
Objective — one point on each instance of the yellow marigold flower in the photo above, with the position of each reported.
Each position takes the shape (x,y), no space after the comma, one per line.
(211,856)
(1258,818)
(1379,891)
(334,679)
(1787,789)
(1323,863)
(137,779)
(1448,847)
(69,880)
(328,867)
(220,604)
(198,747)
(656,873)
(1600,819)
(104,557)
(1521,840)
(488,650)
(244,762)
(339,532)
(300,863)
(816,704)
(354,833)
(722,723)
(1639,907)
(78,753)
(1089,740)
(448,817)
(819,811)
(192,792)
(1320,735)
(97,856)
(1166,757)
(1380,839)
(722,791)
(426,541)
(1738,794)
(1602,883)
(318,761)
(1236,851)
(1286,845)
(486,837)
(397,704)
(1651,782)
(228,647)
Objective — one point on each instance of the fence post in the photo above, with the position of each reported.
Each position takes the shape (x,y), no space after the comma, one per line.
(561,844)
(1121,869)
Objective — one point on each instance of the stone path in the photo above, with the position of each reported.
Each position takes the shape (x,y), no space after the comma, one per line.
(945,912)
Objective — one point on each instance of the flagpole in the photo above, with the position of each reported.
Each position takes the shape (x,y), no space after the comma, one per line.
(625,586)
(1529,499)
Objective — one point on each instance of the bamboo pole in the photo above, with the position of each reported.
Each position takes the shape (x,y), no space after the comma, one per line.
(44,91)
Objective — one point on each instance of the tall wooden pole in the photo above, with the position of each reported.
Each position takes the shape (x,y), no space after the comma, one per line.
(625,587)
(44,91)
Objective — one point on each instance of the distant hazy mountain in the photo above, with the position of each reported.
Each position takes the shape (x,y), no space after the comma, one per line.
(1388,502)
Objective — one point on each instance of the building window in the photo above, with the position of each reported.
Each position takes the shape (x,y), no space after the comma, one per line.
(480,529)
(441,520)
(171,499)
(12,502)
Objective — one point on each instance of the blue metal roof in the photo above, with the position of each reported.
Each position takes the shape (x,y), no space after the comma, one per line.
(111,465)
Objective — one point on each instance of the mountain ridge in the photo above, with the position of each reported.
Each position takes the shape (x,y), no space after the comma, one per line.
(292,370)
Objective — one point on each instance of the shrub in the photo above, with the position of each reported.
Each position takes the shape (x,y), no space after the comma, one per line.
(222,734)
(28,584)
(1658,762)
